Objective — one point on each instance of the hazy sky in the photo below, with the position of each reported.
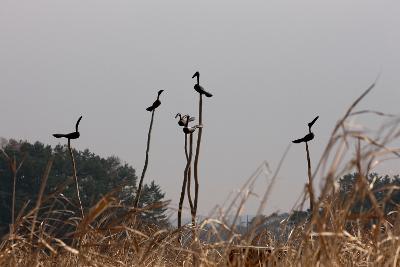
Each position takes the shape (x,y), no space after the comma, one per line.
(272,66)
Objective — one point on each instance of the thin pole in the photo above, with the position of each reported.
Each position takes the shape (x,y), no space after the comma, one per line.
(189,177)
(75,177)
(189,192)
(189,171)
(247,224)
(196,160)
(146,162)
(182,198)
(310,182)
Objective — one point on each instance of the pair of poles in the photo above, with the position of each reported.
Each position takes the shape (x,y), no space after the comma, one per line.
(187,172)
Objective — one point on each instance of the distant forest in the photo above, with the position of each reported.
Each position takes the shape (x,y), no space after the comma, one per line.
(97,177)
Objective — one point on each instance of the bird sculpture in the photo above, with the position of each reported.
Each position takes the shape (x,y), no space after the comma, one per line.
(310,135)
(189,130)
(156,103)
(73,135)
(199,88)
(183,120)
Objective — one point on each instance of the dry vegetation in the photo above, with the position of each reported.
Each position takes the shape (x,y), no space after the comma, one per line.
(331,236)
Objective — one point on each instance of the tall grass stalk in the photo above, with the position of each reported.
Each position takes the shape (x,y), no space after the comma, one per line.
(12,163)
(40,195)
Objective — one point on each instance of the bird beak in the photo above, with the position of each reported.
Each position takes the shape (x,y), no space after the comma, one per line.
(178,114)
(313,121)
(195,75)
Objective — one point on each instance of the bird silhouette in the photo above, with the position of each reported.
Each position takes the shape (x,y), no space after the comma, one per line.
(156,103)
(183,120)
(199,88)
(189,130)
(73,135)
(310,136)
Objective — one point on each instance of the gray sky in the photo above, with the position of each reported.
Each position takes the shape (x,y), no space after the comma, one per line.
(272,66)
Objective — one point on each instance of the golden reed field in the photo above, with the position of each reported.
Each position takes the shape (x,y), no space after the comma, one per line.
(331,233)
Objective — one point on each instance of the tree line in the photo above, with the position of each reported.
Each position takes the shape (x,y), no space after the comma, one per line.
(98,177)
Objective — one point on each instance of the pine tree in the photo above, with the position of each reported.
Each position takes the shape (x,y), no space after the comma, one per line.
(152,195)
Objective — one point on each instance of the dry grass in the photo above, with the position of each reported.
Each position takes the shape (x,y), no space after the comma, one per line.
(331,236)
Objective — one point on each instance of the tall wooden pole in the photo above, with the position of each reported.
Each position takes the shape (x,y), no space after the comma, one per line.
(196,159)
(146,162)
(310,182)
(75,176)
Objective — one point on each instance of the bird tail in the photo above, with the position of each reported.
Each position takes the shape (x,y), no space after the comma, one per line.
(58,135)
(298,140)
(207,94)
